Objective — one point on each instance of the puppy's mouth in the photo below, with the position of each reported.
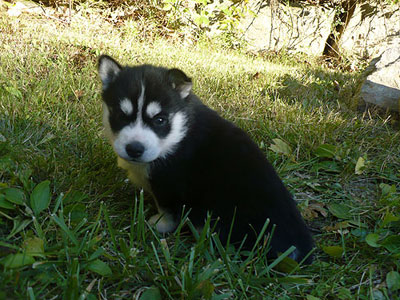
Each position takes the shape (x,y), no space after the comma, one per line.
(135,161)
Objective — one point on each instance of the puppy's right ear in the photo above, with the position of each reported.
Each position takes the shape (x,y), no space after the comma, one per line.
(108,70)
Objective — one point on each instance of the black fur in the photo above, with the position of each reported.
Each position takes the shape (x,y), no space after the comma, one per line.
(215,168)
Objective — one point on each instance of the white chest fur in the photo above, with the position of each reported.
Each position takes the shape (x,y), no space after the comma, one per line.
(137,173)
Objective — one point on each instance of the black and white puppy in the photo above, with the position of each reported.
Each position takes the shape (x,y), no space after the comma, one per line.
(185,154)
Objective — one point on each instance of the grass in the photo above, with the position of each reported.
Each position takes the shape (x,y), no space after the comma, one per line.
(73,227)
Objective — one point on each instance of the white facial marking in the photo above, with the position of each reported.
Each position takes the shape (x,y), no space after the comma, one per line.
(126,106)
(177,133)
(140,103)
(152,109)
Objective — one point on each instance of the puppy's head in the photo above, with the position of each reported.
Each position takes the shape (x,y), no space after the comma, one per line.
(144,109)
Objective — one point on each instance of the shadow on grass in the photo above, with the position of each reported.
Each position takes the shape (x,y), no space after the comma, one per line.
(78,161)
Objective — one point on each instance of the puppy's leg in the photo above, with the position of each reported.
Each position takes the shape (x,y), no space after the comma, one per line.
(163,222)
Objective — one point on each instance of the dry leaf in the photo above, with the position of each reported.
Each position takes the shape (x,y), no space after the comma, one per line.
(79,93)
(337,226)
(256,75)
(313,210)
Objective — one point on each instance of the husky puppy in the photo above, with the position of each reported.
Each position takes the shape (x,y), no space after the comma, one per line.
(185,154)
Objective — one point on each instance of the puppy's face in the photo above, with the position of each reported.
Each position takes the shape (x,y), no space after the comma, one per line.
(143,109)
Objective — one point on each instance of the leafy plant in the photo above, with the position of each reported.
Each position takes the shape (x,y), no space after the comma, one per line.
(32,241)
(385,234)
(215,17)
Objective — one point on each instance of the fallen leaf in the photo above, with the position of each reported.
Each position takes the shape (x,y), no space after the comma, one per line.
(337,226)
(79,93)
(256,75)
(360,166)
(313,210)
(280,146)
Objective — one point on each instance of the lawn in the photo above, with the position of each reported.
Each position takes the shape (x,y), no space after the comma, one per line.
(73,227)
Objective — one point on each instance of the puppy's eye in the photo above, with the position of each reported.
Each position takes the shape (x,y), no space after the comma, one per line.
(160,120)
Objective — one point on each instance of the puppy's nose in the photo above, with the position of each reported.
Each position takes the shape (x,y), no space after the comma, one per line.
(135,149)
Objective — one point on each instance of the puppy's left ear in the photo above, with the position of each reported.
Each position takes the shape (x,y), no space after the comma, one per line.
(108,70)
(180,82)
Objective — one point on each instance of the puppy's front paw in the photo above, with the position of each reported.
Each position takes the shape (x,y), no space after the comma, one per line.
(163,222)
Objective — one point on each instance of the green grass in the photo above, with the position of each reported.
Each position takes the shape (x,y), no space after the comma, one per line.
(71,226)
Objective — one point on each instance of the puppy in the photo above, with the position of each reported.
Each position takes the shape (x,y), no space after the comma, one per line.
(186,155)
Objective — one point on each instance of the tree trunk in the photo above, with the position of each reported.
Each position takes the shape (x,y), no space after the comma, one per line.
(340,22)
